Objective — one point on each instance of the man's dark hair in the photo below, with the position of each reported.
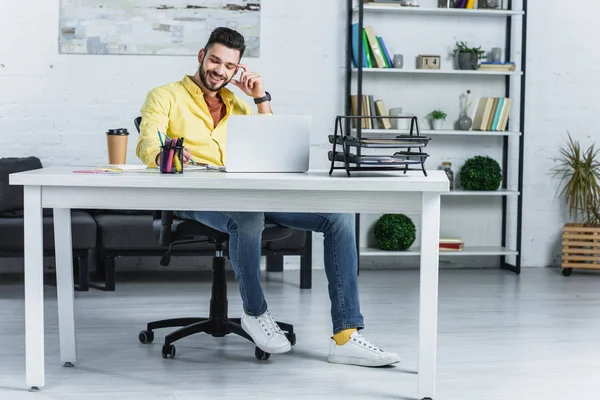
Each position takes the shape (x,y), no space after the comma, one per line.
(228,38)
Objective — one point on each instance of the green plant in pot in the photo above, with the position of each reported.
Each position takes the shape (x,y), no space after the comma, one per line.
(468,57)
(481,173)
(579,173)
(395,232)
(437,119)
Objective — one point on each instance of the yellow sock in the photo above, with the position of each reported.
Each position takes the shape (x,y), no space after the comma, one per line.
(343,336)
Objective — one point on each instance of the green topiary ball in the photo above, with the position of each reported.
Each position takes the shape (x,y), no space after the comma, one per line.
(480,173)
(395,232)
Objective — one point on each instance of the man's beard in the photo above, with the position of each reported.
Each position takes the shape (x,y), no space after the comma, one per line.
(208,85)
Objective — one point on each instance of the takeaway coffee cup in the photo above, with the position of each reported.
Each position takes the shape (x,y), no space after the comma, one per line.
(116,140)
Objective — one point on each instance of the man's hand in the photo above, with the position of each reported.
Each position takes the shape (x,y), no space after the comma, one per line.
(186,155)
(250,83)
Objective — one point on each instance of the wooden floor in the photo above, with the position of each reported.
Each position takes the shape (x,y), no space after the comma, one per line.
(501,336)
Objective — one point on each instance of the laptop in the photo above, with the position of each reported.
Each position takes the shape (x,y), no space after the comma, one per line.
(267,143)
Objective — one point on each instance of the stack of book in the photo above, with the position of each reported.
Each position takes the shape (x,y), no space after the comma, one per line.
(497,66)
(492,114)
(470,4)
(374,51)
(451,244)
(370,108)
(384,2)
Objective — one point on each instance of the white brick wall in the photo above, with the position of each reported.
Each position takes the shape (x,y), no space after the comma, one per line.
(561,82)
(59,106)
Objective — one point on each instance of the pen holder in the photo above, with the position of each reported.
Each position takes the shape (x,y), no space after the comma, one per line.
(171,159)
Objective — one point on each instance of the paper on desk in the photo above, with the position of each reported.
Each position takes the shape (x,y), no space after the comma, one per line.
(129,167)
(135,168)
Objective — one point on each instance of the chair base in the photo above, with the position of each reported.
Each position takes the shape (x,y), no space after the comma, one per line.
(217,324)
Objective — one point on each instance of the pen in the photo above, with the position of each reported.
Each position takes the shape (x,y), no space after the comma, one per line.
(171,151)
(159,137)
(178,166)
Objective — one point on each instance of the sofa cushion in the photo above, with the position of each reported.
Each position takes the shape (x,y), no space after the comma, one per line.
(133,232)
(136,232)
(295,241)
(83,230)
(11,196)
(123,212)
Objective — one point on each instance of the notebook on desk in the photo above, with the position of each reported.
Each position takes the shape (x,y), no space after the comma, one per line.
(268,143)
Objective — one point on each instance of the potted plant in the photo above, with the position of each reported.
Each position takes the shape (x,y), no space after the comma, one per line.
(481,173)
(437,119)
(468,57)
(395,232)
(579,173)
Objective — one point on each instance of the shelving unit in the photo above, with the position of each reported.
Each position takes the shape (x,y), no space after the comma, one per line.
(427,132)
(510,194)
(435,71)
(437,11)
(474,251)
(499,192)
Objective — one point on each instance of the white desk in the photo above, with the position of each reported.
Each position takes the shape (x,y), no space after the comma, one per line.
(61,189)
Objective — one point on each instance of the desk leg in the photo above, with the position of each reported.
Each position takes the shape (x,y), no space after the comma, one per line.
(64,285)
(34,286)
(428,302)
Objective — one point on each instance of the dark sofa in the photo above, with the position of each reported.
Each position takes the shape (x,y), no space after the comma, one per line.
(130,233)
(100,236)
(83,226)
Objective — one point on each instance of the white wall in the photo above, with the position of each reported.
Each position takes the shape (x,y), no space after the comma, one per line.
(562,81)
(59,106)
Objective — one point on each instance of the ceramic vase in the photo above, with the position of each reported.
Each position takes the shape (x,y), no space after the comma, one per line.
(437,124)
(465,122)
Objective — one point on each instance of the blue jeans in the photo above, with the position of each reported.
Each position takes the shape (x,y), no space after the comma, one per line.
(245,236)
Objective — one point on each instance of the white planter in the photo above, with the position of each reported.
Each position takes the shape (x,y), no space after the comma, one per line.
(437,124)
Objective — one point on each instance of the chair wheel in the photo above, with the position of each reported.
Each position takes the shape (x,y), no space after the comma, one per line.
(146,337)
(165,260)
(567,271)
(168,351)
(291,337)
(261,355)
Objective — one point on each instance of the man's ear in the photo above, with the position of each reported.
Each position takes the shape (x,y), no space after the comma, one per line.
(201,56)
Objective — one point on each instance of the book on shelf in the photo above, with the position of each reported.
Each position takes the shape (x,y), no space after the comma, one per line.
(497,66)
(469,4)
(370,108)
(492,114)
(384,2)
(451,244)
(375,53)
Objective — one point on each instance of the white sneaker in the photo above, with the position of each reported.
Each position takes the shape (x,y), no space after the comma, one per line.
(359,351)
(266,333)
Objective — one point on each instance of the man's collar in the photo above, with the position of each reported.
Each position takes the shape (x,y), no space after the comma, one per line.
(194,90)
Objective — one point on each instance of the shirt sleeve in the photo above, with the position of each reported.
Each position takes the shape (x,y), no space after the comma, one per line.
(155,116)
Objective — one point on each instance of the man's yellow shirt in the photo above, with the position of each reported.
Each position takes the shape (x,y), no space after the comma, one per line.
(179,110)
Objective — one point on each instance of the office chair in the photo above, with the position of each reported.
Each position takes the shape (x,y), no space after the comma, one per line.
(172,232)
